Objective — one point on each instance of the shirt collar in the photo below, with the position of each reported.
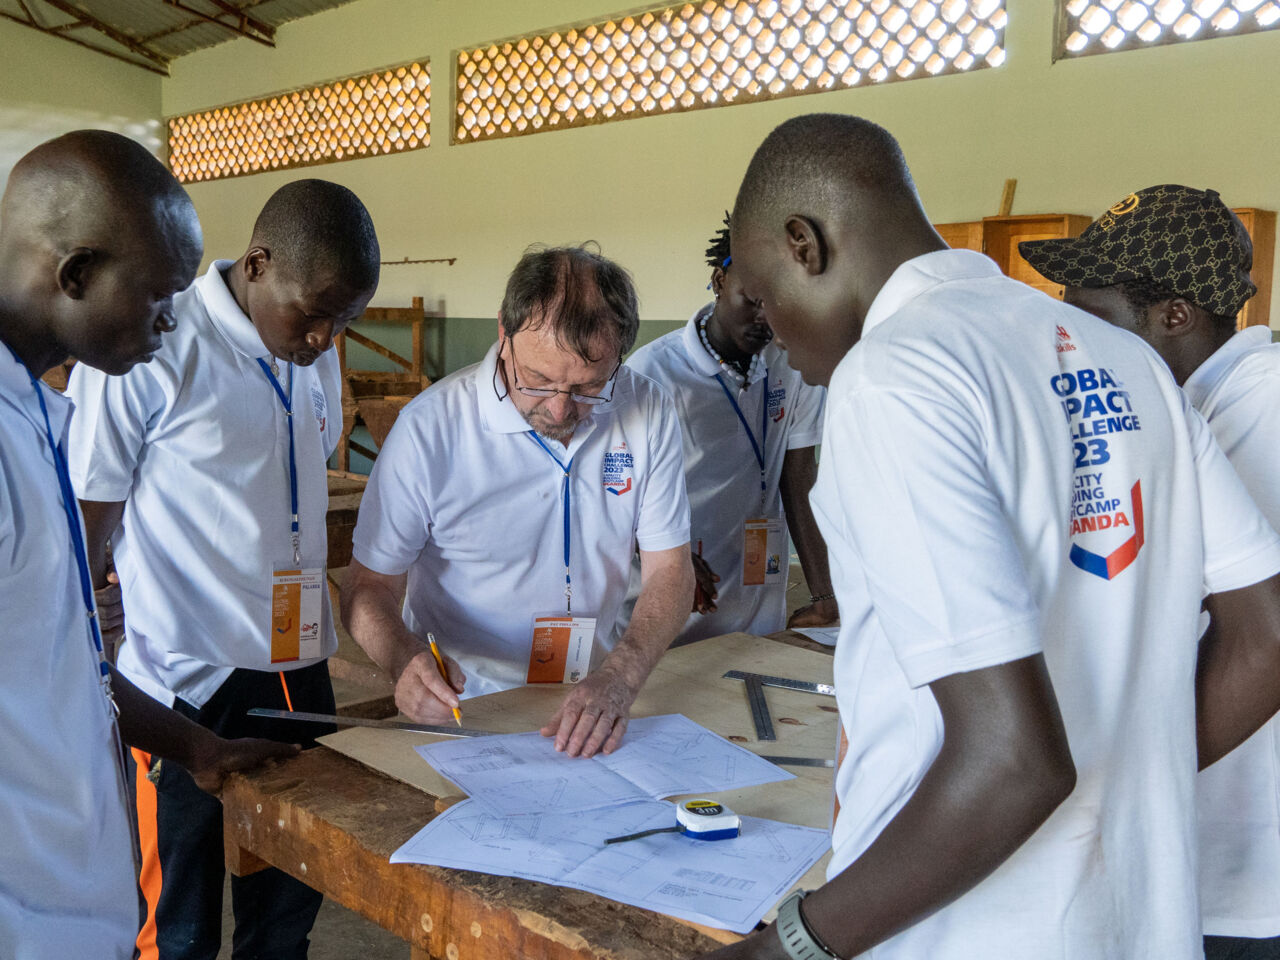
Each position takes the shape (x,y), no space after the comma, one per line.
(500,416)
(1206,377)
(920,274)
(703,362)
(15,384)
(226,314)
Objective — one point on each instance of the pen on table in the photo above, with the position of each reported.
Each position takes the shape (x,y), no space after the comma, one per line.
(435,652)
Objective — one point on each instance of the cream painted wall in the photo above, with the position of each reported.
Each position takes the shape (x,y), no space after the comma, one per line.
(49,86)
(1078,135)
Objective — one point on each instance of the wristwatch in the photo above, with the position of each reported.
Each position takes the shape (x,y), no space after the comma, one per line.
(797,939)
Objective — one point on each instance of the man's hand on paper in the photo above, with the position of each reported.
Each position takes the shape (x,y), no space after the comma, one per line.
(764,945)
(593,717)
(110,606)
(823,613)
(422,694)
(705,580)
(214,758)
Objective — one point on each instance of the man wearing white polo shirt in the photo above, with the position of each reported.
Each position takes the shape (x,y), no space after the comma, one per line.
(206,469)
(750,425)
(1021,511)
(1171,264)
(95,239)
(518,489)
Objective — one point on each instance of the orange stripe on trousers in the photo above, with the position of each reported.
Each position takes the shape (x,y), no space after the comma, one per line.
(149,879)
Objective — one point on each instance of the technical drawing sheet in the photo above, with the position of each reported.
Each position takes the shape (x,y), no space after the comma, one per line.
(512,774)
(729,884)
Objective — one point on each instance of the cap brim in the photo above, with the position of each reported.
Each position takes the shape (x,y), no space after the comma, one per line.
(1071,261)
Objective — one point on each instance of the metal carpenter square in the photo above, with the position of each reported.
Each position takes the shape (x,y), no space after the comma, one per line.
(759,709)
(796,761)
(444,730)
(785,683)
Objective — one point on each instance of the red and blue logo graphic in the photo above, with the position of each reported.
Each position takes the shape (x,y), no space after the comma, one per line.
(1108,566)
(319,406)
(619,466)
(777,402)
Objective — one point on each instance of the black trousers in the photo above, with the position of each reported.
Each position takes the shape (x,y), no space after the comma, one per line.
(180,828)
(1241,948)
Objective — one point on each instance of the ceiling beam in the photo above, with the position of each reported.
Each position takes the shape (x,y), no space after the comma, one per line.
(112,33)
(246,26)
(34,25)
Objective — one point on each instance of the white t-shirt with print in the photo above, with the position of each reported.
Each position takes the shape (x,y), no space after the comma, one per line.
(1004,475)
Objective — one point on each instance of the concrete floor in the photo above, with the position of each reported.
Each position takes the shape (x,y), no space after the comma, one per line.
(338,934)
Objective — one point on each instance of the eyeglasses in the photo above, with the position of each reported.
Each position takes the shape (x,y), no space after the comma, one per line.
(544,392)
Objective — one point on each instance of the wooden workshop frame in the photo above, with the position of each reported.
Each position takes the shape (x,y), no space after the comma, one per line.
(375,397)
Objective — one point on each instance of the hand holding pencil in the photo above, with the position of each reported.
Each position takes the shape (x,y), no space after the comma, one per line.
(428,684)
(444,673)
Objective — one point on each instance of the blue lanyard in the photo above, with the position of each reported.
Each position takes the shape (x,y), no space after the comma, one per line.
(567,468)
(72,511)
(757,448)
(286,400)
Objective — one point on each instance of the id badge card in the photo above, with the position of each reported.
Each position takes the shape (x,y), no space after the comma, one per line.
(296,601)
(561,648)
(763,548)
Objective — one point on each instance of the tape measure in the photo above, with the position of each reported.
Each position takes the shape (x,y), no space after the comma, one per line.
(700,819)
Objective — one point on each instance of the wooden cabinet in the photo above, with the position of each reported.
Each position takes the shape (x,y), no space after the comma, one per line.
(1261,225)
(998,238)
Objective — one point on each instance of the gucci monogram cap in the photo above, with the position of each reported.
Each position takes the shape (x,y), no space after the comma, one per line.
(1185,240)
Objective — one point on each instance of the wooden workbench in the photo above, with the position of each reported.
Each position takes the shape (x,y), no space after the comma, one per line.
(333,823)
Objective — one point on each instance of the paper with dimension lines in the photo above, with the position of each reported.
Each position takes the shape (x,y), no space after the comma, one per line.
(730,884)
(661,757)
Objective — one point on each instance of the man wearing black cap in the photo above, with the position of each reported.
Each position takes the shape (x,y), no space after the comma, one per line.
(1171,264)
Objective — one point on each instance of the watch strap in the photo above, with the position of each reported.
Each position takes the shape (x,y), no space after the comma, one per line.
(794,934)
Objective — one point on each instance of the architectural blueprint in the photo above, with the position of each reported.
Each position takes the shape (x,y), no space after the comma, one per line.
(729,884)
(514,774)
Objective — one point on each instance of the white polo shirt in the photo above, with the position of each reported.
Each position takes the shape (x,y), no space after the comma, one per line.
(1004,475)
(197,443)
(463,499)
(721,470)
(1238,392)
(67,886)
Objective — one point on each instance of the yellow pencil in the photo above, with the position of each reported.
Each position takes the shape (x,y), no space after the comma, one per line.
(435,652)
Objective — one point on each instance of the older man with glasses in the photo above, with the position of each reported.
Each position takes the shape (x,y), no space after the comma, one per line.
(506,505)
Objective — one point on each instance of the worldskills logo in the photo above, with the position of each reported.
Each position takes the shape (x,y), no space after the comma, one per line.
(618,469)
(1064,340)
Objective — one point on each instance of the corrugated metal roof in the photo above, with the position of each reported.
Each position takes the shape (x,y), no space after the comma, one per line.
(150,33)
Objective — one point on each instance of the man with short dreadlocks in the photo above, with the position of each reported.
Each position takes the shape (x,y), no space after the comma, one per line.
(750,427)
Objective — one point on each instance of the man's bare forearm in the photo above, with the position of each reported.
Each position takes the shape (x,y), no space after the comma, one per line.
(660,611)
(154,728)
(1003,768)
(101,518)
(799,471)
(371,604)
(1238,675)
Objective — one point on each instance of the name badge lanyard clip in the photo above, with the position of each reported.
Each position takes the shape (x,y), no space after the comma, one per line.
(567,469)
(286,401)
(757,448)
(77,539)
